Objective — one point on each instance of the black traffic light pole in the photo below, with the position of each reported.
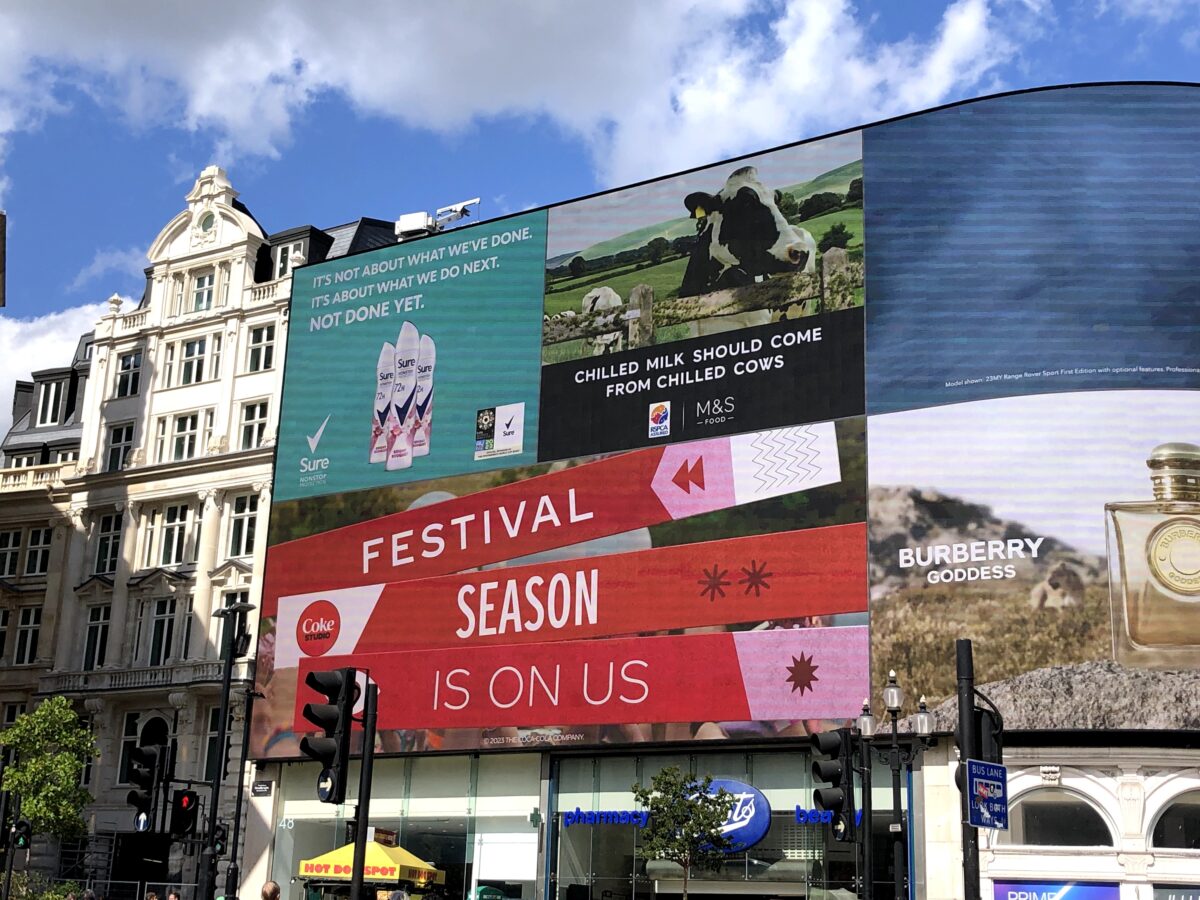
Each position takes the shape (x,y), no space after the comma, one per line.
(9,850)
(233,871)
(868,853)
(968,748)
(363,811)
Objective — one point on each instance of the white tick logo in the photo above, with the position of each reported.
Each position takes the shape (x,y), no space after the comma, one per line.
(314,439)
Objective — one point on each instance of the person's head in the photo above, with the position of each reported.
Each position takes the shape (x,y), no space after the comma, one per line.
(173,895)
(151,895)
(89,894)
(270,891)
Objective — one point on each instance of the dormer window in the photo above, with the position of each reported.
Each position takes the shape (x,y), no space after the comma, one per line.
(287,257)
(49,403)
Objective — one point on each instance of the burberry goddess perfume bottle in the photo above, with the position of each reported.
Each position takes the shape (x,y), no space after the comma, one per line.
(1154,565)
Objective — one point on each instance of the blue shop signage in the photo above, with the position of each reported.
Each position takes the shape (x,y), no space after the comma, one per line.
(749,820)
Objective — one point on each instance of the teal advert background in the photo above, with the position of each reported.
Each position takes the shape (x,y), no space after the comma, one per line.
(486,322)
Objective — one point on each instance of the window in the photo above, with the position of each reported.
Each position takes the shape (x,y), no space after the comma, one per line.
(168,370)
(207,433)
(29,624)
(202,292)
(1053,817)
(10,550)
(254,424)
(183,436)
(96,645)
(287,256)
(185,648)
(162,630)
(22,461)
(48,404)
(108,544)
(129,740)
(129,373)
(174,534)
(241,525)
(37,558)
(211,757)
(148,549)
(12,711)
(3,631)
(1178,828)
(192,369)
(66,456)
(262,348)
(120,445)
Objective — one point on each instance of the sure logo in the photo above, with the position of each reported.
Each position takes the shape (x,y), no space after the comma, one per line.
(318,627)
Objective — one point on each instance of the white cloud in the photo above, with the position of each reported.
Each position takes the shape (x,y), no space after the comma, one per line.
(651,87)
(130,263)
(43,342)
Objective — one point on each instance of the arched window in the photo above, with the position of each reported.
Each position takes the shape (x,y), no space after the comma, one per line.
(1178,828)
(1053,817)
(155,731)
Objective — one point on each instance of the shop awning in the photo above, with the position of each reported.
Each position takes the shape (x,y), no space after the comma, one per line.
(382,864)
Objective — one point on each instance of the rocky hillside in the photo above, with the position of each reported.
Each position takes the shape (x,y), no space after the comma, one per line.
(905,516)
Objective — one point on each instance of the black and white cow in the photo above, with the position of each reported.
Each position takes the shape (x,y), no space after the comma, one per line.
(742,235)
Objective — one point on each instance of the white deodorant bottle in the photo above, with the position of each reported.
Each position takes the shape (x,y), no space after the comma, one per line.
(404,395)
(425,362)
(385,378)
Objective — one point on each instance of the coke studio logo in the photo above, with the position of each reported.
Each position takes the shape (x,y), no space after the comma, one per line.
(318,627)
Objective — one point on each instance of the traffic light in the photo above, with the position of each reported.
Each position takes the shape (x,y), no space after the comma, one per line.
(334,718)
(22,835)
(146,769)
(837,770)
(220,839)
(185,806)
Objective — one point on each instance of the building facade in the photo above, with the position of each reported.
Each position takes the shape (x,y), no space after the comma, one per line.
(135,489)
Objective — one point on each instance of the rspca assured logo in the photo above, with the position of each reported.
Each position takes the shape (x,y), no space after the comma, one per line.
(660,419)
(318,627)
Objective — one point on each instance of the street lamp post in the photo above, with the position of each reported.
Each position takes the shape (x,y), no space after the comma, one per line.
(897,758)
(206,878)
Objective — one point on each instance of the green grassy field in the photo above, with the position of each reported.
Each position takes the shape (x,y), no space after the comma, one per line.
(913,631)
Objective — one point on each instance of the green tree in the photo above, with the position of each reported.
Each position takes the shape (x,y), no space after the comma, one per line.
(787,204)
(837,236)
(52,746)
(577,266)
(657,249)
(854,193)
(685,821)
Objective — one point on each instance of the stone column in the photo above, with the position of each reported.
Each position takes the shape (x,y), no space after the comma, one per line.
(121,652)
(56,610)
(76,539)
(211,503)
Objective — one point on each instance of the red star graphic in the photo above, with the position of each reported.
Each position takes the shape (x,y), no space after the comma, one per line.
(802,673)
(756,578)
(713,582)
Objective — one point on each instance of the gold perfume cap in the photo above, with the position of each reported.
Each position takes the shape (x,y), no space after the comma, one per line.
(1175,471)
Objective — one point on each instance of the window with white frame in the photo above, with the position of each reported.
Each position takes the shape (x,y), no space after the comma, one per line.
(129,740)
(191,367)
(10,552)
(261,348)
(214,356)
(37,556)
(29,626)
(120,445)
(168,366)
(13,711)
(22,461)
(1055,817)
(129,373)
(286,256)
(95,647)
(66,456)
(175,521)
(185,646)
(254,424)
(49,402)
(162,630)
(184,435)
(3,632)
(108,543)
(212,758)
(202,292)
(242,524)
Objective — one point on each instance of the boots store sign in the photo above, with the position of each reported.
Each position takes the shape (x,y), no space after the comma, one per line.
(748,823)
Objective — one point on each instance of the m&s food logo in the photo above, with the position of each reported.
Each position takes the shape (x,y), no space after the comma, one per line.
(318,627)
(660,419)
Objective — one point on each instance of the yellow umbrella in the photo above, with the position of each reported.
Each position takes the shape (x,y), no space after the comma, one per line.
(386,864)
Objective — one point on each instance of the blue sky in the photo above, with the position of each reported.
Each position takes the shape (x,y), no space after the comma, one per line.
(107,115)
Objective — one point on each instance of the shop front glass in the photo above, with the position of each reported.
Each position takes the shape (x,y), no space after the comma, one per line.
(469,817)
(600,861)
